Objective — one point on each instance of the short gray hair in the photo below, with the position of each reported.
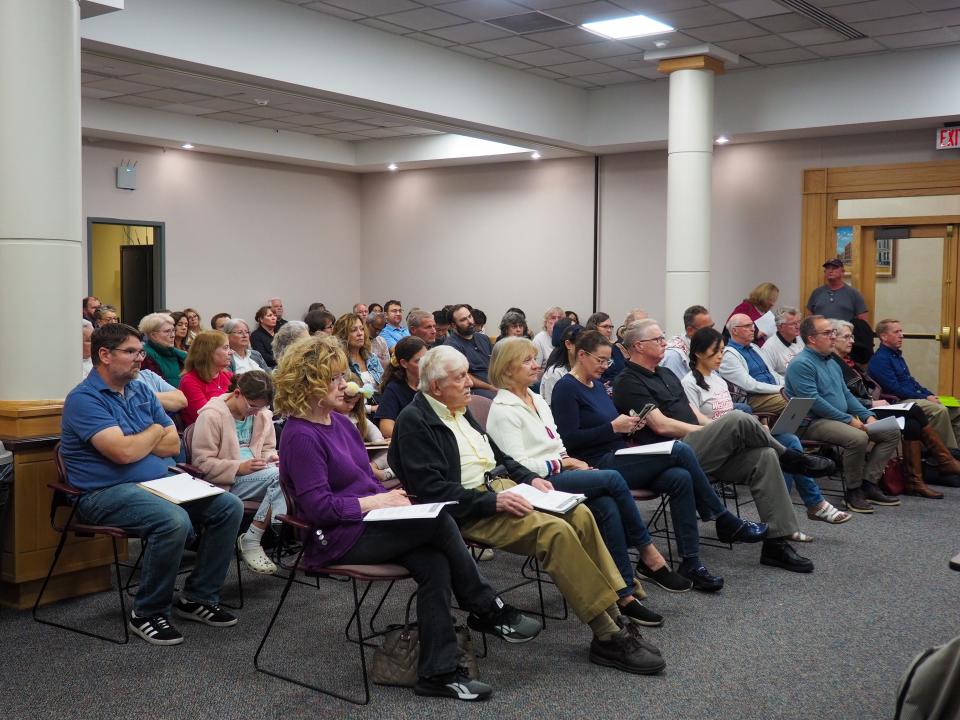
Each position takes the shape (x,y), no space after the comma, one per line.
(437,364)
(153,322)
(417,316)
(636,330)
(782,313)
(288,334)
(840,324)
(231,324)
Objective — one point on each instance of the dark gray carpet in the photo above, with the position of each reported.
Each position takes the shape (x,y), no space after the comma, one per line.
(770,645)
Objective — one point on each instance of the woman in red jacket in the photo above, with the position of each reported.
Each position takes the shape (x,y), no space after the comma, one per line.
(206,372)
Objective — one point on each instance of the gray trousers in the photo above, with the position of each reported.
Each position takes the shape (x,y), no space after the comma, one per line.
(737,448)
(858,464)
(945,421)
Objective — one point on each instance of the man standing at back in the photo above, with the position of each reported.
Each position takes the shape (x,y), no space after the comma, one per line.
(836,299)
(114,435)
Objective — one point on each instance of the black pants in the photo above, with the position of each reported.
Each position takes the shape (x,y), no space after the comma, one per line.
(437,558)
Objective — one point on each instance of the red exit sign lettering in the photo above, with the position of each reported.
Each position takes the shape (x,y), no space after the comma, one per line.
(948,138)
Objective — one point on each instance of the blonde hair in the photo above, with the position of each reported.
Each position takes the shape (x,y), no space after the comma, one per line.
(200,355)
(506,357)
(344,326)
(153,322)
(762,293)
(305,371)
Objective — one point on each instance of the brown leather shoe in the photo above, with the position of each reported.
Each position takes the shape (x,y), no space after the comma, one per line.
(946,462)
(914,480)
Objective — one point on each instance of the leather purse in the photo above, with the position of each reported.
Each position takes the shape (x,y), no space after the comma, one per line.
(894,479)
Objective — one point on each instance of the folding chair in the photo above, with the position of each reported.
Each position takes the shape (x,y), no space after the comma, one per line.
(353,574)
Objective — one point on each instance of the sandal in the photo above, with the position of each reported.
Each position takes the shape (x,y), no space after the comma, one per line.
(801,537)
(828,514)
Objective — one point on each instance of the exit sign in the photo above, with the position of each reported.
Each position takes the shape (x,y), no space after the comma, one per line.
(948,138)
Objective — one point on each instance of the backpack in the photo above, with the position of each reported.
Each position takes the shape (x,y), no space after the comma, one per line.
(930,689)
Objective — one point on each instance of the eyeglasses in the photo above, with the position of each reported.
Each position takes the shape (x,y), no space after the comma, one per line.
(605,362)
(746,325)
(240,333)
(338,378)
(132,352)
(831,333)
(168,331)
(660,339)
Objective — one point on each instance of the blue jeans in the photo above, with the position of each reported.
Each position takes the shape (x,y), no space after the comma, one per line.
(615,511)
(165,529)
(807,487)
(264,485)
(680,476)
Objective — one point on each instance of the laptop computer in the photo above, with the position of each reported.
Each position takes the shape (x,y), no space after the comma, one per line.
(792,415)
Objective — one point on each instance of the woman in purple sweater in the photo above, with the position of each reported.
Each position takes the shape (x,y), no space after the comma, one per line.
(325,471)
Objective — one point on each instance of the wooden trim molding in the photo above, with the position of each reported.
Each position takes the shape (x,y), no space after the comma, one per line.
(693,62)
(21,419)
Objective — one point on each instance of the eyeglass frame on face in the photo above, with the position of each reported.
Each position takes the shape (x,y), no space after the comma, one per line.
(747,325)
(239,333)
(132,353)
(831,332)
(660,339)
(605,362)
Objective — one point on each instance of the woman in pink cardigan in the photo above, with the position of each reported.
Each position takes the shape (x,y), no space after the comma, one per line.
(206,372)
(234,443)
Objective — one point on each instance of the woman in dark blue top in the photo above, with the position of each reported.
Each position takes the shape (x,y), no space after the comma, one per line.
(399,382)
(593,430)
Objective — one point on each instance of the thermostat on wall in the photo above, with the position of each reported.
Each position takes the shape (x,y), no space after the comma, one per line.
(127,175)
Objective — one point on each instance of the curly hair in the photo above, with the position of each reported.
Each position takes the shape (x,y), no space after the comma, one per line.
(305,371)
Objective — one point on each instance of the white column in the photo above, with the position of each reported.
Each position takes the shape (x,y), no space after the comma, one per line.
(40,199)
(689,187)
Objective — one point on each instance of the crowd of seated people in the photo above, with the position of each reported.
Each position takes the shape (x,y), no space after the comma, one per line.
(565,403)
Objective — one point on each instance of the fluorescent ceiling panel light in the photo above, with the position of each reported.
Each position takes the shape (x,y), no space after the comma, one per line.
(187,146)
(391,167)
(627,27)
(722,140)
(534,155)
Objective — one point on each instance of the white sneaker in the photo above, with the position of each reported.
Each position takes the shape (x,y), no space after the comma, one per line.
(255,558)
(485,555)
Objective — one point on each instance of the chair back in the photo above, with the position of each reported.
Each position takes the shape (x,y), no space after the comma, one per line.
(188,442)
(297,524)
(480,408)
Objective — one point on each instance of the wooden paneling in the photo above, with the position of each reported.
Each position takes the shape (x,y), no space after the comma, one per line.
(694,62)
(907,176)
(813,252)
(30,418)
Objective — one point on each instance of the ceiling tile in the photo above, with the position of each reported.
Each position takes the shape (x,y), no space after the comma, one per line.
(629,62)
(377,24)
(931,5)
(674,39)
(596,51)
(423,19)
(381,132)
(764,43)
(565,37)
(306,105)
(346,136)
(386,121)
(335,11)
(108,66)
(92,92)
(173,96)
(305,119)
(374,7)
(221,104)
(276,125)
(583,67)
(696,17)
(848,47)
(510,46)
(509,62)
(546,57)
(472,52)
(726,31)
(948,17)
(613,77)
(872,10)
(483,9)
(255,95)
(941,36)
(658,6)
(892,26)
(268,112)
(348,114)
(543,72)
(210,87)
(423,37)
(184,109)
(750,9)
(549,5)
(785,23)
(470,33)
(158,78)
(86,77)
(122,87)
(347,126)
(137,100)
(229,117)
(816,36)
(576,82)
(777,57)
(589,12)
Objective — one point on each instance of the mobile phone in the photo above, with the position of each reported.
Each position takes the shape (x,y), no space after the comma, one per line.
(645,410)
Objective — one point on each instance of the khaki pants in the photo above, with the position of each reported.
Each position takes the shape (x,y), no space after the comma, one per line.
(569,548)
(945,421)
(858,464)
(772,403)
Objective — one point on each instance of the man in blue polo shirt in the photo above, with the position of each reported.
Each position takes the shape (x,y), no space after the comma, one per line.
(394,331)
(115,434)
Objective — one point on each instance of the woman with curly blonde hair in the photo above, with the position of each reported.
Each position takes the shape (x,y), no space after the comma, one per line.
(325,469)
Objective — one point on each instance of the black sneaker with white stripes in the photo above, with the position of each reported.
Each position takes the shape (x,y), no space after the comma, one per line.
(506,622)
(208,614)
(155,629)
(455,685)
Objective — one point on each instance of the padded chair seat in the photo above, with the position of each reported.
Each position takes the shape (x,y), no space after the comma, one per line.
(383,571)
(643,495)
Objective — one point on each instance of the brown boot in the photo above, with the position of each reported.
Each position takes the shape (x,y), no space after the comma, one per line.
(946,462)
(914,471)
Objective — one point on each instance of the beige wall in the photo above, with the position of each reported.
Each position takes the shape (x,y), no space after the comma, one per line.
(237,231)
(493,235)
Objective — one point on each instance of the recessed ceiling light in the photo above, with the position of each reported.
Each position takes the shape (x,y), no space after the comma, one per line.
(534,155)
(187,146)
(661,43)
(392,166)
(627,27)
(722,140)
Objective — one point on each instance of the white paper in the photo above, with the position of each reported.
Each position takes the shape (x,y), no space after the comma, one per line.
(902,422)
(407,512)
(660,448)
(904,406)
(886,424)
(555,501)
(181,488)
(767,324)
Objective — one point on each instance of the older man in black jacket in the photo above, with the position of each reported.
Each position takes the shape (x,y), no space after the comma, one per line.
(440,453)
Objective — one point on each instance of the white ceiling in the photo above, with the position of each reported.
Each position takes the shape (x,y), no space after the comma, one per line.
(764,32)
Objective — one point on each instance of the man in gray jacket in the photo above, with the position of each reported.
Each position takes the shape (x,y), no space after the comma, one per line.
(745,366)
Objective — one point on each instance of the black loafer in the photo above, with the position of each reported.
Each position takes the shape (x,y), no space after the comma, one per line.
(665,578)
(814,466)
(702,579)
(779,553)
(641,614)
(740,531)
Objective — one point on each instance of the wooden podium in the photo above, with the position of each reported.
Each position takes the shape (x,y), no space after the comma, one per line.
(30,430)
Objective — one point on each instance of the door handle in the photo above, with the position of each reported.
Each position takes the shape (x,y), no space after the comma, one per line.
(944,337)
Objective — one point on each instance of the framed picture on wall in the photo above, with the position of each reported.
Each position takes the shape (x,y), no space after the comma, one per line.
(886,257)
(845,247)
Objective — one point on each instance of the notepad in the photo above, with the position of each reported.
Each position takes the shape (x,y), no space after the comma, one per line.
(886,424)
(555,501)
(904,406)
(660,448)
(949,401)
(181,488)
(407,512)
